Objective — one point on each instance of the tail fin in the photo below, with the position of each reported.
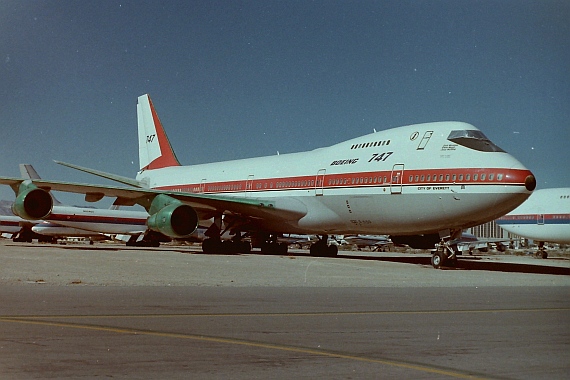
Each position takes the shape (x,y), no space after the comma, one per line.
(155,151)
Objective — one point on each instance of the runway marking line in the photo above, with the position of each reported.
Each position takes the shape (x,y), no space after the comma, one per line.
(272,346)
(41,320)
(277,314)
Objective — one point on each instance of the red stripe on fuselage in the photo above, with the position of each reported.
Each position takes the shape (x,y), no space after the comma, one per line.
(96,219)
(412,177)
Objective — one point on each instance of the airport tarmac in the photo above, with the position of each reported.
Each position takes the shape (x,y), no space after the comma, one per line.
(107,311)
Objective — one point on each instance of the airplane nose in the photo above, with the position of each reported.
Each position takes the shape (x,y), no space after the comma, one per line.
(530,182)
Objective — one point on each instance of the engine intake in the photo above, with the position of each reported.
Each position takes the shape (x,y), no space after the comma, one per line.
(173,218)
(32,203)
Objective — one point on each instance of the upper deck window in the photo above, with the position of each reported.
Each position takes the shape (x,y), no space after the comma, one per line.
(474,140)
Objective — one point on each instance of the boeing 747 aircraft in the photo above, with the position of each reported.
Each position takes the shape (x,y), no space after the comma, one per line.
(544,217)
(423,183)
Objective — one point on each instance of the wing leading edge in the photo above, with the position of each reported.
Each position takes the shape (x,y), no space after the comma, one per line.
(207,206)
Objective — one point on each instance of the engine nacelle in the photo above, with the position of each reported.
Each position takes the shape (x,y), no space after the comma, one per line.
(173,218)
(32,203)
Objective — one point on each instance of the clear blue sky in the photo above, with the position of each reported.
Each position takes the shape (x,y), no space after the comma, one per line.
(236,79)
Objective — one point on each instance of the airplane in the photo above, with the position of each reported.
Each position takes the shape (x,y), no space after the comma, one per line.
(469,242)
(543,217)
(21,230)
(375,242)
(421,184)
(16,228)
(89,222)
(57,231)
(10,224)
(299,240)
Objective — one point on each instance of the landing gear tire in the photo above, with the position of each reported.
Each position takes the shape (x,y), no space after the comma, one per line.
(210,246)
(438,259)
(274,248)
(332,250)
(321,249)
(541,251)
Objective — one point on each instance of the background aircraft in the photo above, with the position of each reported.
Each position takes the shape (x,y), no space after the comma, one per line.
(374,242)
(543,217)
(70,221)
(430,179)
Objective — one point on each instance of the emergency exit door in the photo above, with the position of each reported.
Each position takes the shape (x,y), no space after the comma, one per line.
(397,179)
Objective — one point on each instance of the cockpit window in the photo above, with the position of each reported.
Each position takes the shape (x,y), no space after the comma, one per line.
(473,140)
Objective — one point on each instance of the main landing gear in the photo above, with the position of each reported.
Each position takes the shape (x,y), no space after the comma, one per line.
(214,244)
(541,250)
(322,249)
(232,246)
(148,239)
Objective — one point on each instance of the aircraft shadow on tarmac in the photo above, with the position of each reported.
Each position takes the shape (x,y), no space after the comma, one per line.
(463,263)
(473,263)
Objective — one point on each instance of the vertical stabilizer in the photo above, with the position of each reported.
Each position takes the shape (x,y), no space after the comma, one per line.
(155,151)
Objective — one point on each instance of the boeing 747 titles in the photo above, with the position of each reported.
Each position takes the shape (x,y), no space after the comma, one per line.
(544,217)
(422,183)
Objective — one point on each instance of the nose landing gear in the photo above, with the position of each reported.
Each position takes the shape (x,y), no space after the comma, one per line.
(445,254)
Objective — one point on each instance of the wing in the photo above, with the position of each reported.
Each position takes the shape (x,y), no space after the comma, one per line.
(205,205)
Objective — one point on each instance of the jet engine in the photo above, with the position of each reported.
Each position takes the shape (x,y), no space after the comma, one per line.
(32,203)
(171,217)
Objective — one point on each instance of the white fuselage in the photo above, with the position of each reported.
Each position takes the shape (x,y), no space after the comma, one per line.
(100,220)
(405,180)
(55,230)
(12,224)
(544,216)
